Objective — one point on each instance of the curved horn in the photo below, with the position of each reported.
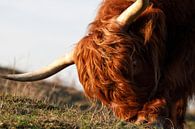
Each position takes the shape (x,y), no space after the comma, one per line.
(132,12)
(45,72)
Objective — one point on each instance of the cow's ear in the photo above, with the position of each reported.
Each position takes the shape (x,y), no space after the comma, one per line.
(153,25)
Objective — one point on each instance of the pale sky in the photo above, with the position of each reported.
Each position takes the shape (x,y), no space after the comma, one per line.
(33,33)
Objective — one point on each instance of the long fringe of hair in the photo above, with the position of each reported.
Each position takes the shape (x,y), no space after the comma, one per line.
(105,58)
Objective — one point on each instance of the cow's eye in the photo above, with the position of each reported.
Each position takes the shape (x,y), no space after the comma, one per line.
(137,66)
(134,63)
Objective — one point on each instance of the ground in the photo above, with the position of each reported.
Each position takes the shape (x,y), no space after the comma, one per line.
(22,112)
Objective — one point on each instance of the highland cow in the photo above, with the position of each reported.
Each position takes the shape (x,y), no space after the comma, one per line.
(138,58)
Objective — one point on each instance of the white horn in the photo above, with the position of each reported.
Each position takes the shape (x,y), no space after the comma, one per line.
(45,72)
(132,12)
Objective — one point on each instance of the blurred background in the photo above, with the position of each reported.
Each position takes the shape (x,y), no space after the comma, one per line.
(33,33)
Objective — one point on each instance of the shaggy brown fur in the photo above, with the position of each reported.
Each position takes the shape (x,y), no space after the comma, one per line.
(146,71)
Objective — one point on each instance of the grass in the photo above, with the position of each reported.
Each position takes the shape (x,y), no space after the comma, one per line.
(22,113)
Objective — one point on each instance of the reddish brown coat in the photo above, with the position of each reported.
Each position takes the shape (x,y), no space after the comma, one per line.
(146,71)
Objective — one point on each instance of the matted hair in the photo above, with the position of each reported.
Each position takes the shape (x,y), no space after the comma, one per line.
(120,67)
